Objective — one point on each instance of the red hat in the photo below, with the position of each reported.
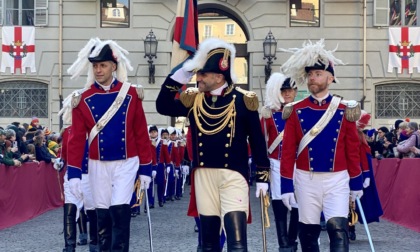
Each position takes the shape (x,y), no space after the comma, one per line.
(35,120)
(363,120)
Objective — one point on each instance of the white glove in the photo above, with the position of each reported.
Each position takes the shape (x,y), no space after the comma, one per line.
(168,169)
(185,170)
(366,183)
(288,200)
(249,161)
(58,164)
(145,182)
(153,174)
(76,188)
(263,187)
(176,173)
(356,194)
(182,76)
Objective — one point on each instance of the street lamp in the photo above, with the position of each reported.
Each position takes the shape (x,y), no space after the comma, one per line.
(270,47)
(150,48)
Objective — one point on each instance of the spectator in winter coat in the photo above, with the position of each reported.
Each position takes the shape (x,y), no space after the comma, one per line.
(413,134)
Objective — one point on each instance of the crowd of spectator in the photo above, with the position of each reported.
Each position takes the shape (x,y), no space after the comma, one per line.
(20,143)
(399,141)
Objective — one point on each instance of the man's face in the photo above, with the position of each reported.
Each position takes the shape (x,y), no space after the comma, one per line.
(153,134)
(318,81)
(207,82)
(288,95)
(173,137)
(103,72)
(165,135)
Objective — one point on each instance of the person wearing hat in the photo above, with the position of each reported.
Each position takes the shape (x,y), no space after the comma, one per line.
(118,140)
(221,118)
(280,90)
(153,134)
(320,162)
(371,204)
(161,142)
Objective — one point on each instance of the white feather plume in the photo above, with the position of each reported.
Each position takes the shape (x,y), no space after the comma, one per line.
(309,55)
(273,98)
(200,57)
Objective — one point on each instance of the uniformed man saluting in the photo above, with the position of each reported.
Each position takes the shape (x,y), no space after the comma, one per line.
(221,117)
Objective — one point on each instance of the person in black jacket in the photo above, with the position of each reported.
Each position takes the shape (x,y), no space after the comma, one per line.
(41,150)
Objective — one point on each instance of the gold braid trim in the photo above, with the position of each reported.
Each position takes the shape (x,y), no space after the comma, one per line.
(262,176)
(353,218)
(225,118)
(266,216)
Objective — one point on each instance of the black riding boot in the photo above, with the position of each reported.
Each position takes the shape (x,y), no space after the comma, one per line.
(337,229)
(121,216)
(308,236)
(93,231)
(104,229)
(70,211)
(82,223)
(210,233)
(235,227)
(280,216)
(293,228)
(352,232)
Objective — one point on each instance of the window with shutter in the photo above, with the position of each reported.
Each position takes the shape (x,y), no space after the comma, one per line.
(41,12)
(380,12)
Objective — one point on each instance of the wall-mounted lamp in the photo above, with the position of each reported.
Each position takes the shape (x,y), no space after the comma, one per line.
(270,47)
(150,49)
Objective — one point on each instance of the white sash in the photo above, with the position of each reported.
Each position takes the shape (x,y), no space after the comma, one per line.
(320,125)
(276,142)
(110,112)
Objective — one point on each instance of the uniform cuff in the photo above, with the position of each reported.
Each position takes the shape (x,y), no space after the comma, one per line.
(356,183)
(146,170)
(74,172)
(366,174)
(286,185)
(262,175)
(154,168)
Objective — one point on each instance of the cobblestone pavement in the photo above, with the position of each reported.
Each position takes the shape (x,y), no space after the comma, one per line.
(174,231)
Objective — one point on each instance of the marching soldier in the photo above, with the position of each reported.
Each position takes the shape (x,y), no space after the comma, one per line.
(320,136)
(279,92)
(221,117)
(153,134)
(163,158)
(110,112)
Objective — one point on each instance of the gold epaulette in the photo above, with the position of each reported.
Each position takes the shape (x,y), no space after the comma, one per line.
(187,97)
(250,99)
(139,90)
(266,112)
(353,110)
(287,109)
(75,98)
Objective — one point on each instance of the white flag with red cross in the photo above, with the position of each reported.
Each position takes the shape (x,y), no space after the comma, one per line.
(18,48)
(404,49)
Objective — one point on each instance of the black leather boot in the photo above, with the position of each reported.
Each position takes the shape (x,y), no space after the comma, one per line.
(210,233)
(82,223)
(337,229)
(293,228)
(69,220)
(352,233)
(120,215)
(280,216)
(308,236)
(93,230)
(104,229)
(235,227)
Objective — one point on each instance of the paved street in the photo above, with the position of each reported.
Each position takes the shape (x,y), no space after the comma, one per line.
(174,231)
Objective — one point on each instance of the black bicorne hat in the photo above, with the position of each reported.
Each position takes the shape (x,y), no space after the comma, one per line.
(321,66)
(218,61)
(287,85)
(152,128)
(104,55)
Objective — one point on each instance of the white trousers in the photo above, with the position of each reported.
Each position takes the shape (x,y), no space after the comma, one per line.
(322,191)
(112,182)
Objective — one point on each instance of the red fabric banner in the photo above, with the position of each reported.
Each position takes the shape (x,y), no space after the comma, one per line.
(28,191)
(397,184)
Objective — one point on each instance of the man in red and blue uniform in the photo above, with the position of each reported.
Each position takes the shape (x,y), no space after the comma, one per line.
(320,136)
(120,151)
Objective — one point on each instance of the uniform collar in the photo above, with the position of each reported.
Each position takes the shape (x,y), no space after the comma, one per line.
(218,91)
(320,101)
(102,87)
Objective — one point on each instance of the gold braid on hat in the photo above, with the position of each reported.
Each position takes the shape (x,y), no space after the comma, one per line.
(226,117)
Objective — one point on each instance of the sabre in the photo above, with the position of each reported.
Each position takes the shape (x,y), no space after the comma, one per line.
(149,222)
(176,181)
(166,183)
(153,188)
(362,213)
(264,238)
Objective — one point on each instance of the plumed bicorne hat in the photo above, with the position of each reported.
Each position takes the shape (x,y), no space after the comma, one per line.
(275,84)
(97,51)
(216,56)
(310,56)
(152,128)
